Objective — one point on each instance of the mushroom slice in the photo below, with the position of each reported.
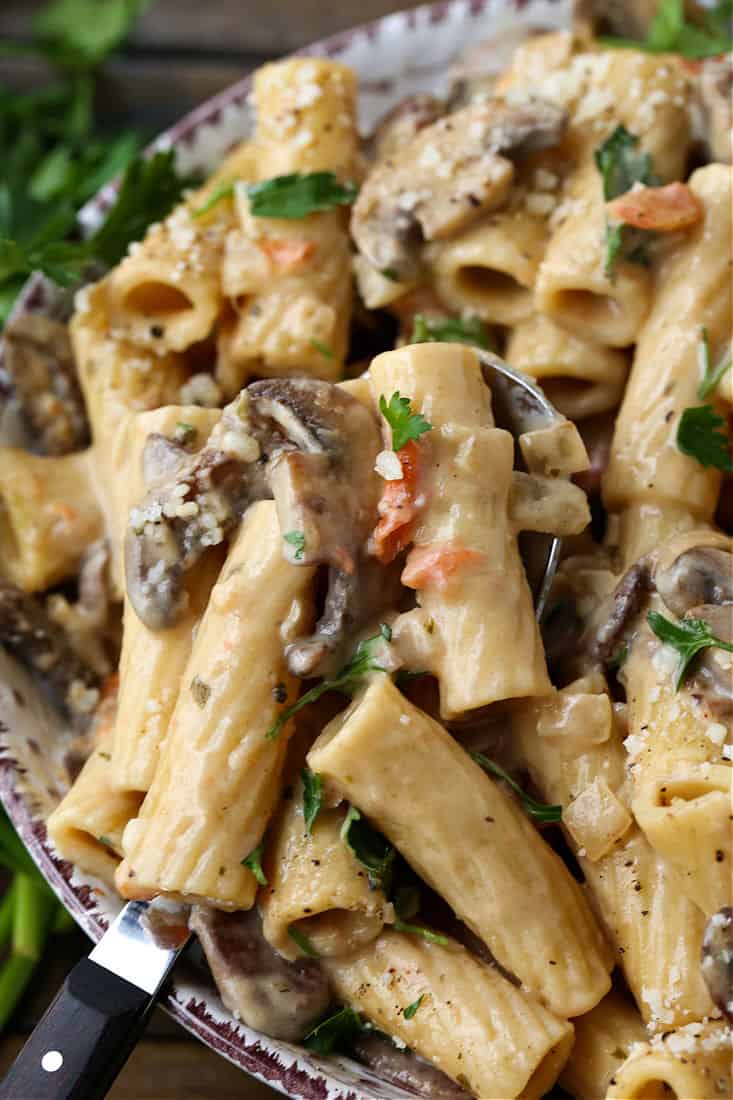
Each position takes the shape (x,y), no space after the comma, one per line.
(717,960)
(90,623)
(41,644)
(399,126)
(321,445)
(450,174)
(197,499)
(620,611)
(712,678)
(279,998)
(40,363)
(703,574)
(405,1069)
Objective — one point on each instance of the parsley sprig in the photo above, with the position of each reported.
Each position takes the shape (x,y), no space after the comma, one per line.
(450,330)
(688,637)
(405,424)
(296,539)
(621,165)
(297,195)
(337,1031)
(670,31)
(540,811)
(370,849)
(710,375)
(254,862)
(700,435)
(312,797)
(347,680)
(411,1009)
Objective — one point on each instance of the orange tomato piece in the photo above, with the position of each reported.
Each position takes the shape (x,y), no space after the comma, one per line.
(435,565)
(285,253)
(662,209)
(398,507)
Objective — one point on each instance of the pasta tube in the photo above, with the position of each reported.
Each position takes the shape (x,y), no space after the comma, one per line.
(471,1023)
(604,1038)
(647,467)
(289,281)
(460,633)
(218,778)
(692,1062)
(316,886)
(464,843)
(49,514)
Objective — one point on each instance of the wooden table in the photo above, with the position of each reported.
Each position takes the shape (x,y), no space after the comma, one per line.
(182,52)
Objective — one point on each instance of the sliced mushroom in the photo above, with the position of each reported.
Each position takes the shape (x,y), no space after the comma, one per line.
(279,998)
(715,84)
(399,126)
(28,632)
(450,174)
(40,363)
(712,675)
(703,574)
(620,611)
(405,1069)
(717,960)
(89,623)
(197,499)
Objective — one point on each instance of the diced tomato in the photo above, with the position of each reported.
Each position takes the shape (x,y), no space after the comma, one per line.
(434,566)
(398,506)
(285,253)
(662,209)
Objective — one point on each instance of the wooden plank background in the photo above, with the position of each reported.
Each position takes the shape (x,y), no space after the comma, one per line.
(181,52)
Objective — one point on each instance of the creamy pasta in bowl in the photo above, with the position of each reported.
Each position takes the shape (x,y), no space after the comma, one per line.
(271,646)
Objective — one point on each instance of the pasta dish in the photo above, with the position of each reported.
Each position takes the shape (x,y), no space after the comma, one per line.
(269,552)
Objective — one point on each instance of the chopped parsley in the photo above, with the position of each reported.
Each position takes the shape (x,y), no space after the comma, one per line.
(254,862)
(301,941)
(700,435)
(105,840)
(325,351)
(391,274)
(312,797)
(419,930)
(410,1011)
(670,32)
(338,1030)
(297,195)
(448,330)
(688,637)
(225,190)
(405,424)
(296,539)
(349,678)
(540,811)
(710,375)
(621,165)
(370,849)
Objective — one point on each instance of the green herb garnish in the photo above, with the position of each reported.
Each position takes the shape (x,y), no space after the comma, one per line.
(540,811)
(297,195)
(405,424)
(369,848)
(710,375)
(449,330)
(347,680)
(418,930)
(105,840)
(670,32)
(688,637)
(338,1030)
(325,352)
(699,435)
(621,165)
(79,34)
(254,862)
(312,797)
(302,941)
(225,190)
(297,540)
(410,1011)
(391,274)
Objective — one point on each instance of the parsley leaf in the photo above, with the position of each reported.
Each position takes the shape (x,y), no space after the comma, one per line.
(254,862)
(78,34)
(711,375)
(450,330)
(419,930)
(688,637)
(370,849)
(405,424)
(410,1011)
(297,541)
(312,797)
(347,680)
(225,190)
(670,32)
(297,195)
(540,811)
(338,1030)
(621,165)
(325,352)
(700,437)
(302,941)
